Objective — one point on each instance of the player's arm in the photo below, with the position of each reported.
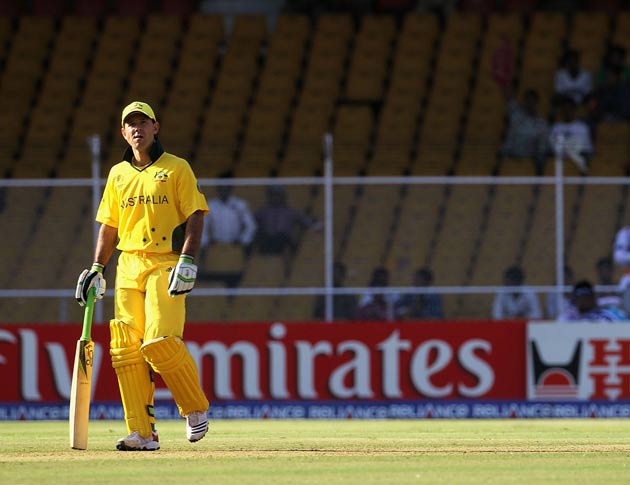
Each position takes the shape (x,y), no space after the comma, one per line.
(93,277)
(183,277)
(105,244)
(194,231)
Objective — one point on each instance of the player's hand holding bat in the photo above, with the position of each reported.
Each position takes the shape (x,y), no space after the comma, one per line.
(182,278)
(90,278)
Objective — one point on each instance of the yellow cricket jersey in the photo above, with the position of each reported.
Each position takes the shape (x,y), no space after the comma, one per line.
(150,205)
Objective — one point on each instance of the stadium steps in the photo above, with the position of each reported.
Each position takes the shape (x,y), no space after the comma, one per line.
(221,133)
(365,244)
(479,155)
(8,125)
(406,93)
(53,116)
(105,90)
(542,48)
(324,70)
(22,208)
(22,75)
(273,98)
(411,239)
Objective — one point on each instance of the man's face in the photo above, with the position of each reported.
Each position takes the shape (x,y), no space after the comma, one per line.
(139,131)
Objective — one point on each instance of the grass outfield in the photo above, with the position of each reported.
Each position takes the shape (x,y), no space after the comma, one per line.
(423,451)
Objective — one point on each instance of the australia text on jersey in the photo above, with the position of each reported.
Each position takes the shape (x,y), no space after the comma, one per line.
(144,199)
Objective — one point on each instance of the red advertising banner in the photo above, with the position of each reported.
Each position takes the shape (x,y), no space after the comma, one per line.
(292,361)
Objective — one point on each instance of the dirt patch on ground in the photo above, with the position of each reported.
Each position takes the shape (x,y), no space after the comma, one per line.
(180,454)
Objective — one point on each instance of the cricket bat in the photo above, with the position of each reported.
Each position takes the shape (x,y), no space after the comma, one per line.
(80,392)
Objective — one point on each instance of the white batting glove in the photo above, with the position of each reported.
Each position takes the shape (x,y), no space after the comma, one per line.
(182,278)
(90,278)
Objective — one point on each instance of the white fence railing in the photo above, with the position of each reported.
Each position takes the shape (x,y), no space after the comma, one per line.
(329,181)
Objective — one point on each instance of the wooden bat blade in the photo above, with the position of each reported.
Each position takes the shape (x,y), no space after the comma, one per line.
(80,394)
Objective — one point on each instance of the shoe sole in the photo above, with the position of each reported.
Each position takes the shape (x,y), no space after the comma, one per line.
(124,447)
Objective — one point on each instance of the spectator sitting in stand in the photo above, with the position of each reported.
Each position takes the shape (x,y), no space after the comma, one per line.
(621,258)
(277,223)
(374,306)
(517,304)
(605,274)
(421,306)
(611,103)
(572,136)
(588,310)
(528,132)
(614,65)
(344,306)
(571,80)
(230,224)
(568,310)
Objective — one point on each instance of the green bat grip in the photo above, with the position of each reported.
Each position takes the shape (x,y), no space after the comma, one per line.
(89,313)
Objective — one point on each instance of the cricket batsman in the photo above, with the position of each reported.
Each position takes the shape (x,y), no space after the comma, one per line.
(154,208)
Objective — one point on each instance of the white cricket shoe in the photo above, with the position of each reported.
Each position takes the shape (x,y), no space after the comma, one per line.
(196,425)
(135,442)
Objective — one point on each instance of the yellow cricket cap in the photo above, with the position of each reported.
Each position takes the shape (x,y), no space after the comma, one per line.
(137,107)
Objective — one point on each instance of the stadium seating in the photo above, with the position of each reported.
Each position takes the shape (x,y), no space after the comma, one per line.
(401,95)
(413,233)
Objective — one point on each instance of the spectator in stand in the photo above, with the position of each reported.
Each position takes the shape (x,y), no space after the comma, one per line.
(278,223)
(568,310)
(230,223)
(528,132)
(613,67)
(421,306)
(571,80)
(374,305)
(344,306)
(621,258)
(572,136)
(611,100)
(605,274)
(588,310)
(519,303)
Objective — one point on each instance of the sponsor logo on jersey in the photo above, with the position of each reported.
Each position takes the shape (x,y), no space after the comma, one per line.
(160,176)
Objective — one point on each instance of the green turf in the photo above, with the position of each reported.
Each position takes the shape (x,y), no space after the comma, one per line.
(423,451)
